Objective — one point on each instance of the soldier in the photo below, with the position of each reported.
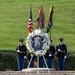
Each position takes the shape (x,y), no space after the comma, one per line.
(50,55)
(21,52)
(61,50)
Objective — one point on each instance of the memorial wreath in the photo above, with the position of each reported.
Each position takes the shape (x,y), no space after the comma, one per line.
(38,42)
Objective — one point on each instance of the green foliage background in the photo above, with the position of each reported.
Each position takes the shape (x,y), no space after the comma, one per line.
(14,15)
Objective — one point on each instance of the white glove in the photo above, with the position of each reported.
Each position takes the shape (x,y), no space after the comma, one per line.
(50,54)
(18,50)
(58,49)
(25,57)
(65,56)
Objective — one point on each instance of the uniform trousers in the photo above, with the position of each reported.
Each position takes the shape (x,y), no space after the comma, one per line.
(20,63)
(32,62)
(49,62)
(41,62)
(60,63)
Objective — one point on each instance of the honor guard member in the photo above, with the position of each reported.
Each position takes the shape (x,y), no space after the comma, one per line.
(61,50)
(50,55)
(21,52)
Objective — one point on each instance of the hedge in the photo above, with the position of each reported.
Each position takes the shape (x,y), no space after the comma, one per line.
(8,61)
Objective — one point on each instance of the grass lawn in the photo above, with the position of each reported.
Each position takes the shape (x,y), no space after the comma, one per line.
(14,15)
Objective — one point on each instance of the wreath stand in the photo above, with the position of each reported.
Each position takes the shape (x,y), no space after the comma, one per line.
(38,36)
(38,64)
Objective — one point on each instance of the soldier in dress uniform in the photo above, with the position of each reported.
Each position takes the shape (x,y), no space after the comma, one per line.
(21,54)
(50,55)
(61,51)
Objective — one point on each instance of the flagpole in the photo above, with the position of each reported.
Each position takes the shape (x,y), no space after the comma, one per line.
(50,33)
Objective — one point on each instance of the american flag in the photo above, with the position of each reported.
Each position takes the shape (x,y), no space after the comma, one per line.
(30,22)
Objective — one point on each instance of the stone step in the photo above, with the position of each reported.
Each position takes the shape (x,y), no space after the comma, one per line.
(24,73)
(38,70)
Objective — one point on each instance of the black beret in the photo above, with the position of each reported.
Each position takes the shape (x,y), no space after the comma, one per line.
(21,40)
(61,39)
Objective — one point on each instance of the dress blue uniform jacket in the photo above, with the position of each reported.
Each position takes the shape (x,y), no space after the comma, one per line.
(22,50)
(51,52)
(61,50)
